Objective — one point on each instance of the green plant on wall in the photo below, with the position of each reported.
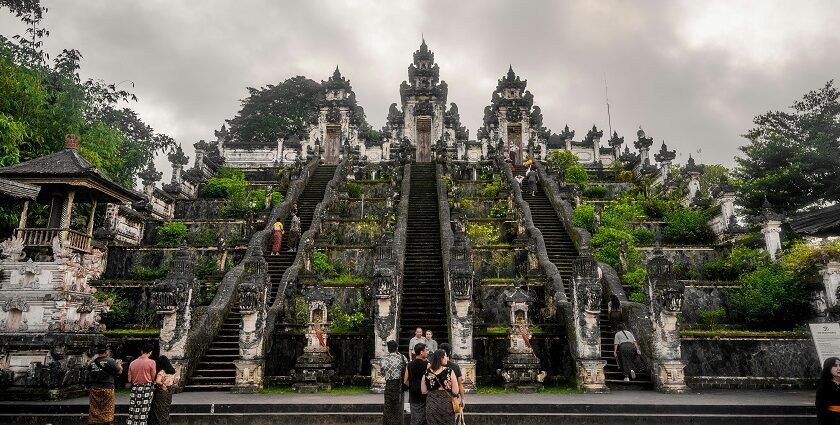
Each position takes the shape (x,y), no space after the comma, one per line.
(354,189)
(205,267)
(321,264)
(770,297)
(171,234)
(687,226)
(226,181)
(207,237)
(491,190)
(713,318)
(501,260)
(583,216)
(147,273)
(301,310)
(499,209)
(482,234)
(342,322)
(117,318)
(577,174)
(595,191)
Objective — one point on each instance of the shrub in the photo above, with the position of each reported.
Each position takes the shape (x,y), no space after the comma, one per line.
(770,297)
(658,208)
(605,246)
(642,236)
(467,204)
(343,322)
(625,176)
(205,266)
(802,258)
(713,317)
(595,191)
(118,316)
(482,234)
(277,197)
(345,279)
(236,204)
(561,160)
(206,298)
(577,174)
(226,181)
(687,226)
(499,209)
(206,237)
(256,199)
(354,189)
(741,260)
(619,212)
(321,265)
(491,190)
(637,297)
(583,216)
(147,273)
(171,234)
(636,278)
(486,174)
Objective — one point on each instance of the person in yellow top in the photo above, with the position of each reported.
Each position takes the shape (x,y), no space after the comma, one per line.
(278,238)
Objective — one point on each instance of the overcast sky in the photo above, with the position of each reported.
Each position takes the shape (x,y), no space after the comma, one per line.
(692,73)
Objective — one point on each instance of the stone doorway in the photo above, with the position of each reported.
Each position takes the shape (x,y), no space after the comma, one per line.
(332,146)
(514,136)
(424,139)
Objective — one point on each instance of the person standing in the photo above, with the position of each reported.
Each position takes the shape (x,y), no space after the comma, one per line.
(416,339)
(626,352)
(413,378)
(440,385)
(294,233)
(828,393)
(532,179)
(457,370)
(431,344)
(162,401)
(614,312)
(141,376)
(101,373)
(278,238)
(392,367)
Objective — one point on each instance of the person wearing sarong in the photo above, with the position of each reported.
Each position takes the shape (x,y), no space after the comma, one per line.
(162,401)
(141,376)
(294,233)
(101,373)
(627,352)
(413,378)
(392,367)
(278,238)
(439,385)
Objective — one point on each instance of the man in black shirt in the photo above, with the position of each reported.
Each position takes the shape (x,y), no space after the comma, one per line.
(101,373)
(414,373)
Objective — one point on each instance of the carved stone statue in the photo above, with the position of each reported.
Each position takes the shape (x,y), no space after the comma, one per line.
(665,298)
(12,249)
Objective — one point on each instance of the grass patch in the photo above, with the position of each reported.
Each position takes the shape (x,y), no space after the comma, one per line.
(278,390)
(497,389)
(497,329)
(132,332)
(743,333)
(344,279)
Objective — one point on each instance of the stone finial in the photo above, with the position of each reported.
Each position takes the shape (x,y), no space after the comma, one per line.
(593,135)
(664,155)
(615,141)
(71,141)
(177,157)
(150,175)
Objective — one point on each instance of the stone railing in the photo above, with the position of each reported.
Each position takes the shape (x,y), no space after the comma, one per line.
(458,282)
(400,235)
(554,285)
(206,325)
(304,252)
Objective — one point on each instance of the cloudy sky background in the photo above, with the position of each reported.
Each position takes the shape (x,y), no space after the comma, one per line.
(692,73)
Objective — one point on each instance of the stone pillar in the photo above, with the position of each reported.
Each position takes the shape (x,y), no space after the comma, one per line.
(314,368)
(521,367)
(664,296)
(586,304)
(385,322)
(461,306)
(149,176)
(771,227)
(253,299)
(175,297)
(831,282)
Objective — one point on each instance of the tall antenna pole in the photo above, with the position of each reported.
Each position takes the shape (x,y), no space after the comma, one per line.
(607,96)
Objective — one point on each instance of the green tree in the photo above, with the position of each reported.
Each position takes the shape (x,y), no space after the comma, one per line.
(792,157)
(276,111)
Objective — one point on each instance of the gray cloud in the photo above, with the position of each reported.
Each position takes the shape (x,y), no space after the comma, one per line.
(691,73)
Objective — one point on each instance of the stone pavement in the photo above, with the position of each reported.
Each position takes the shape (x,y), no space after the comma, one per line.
(627,407)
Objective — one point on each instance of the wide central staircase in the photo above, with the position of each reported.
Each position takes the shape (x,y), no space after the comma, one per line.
(423,296)
(562,251)
(216,371)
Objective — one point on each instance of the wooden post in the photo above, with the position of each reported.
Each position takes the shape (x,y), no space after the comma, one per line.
(66,214)
(90,224)
(23,214)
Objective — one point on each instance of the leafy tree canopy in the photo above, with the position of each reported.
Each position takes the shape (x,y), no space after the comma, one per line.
(793,157)
(277,111)
(42,100)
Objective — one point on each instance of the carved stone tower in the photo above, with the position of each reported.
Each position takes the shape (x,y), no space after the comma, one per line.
(423,99)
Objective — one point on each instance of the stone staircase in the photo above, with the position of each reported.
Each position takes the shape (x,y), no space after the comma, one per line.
(216,370)
(423,296)
(612,372)
(562,251)
(559,246)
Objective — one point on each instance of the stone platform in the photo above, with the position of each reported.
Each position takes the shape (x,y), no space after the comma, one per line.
(626,407)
